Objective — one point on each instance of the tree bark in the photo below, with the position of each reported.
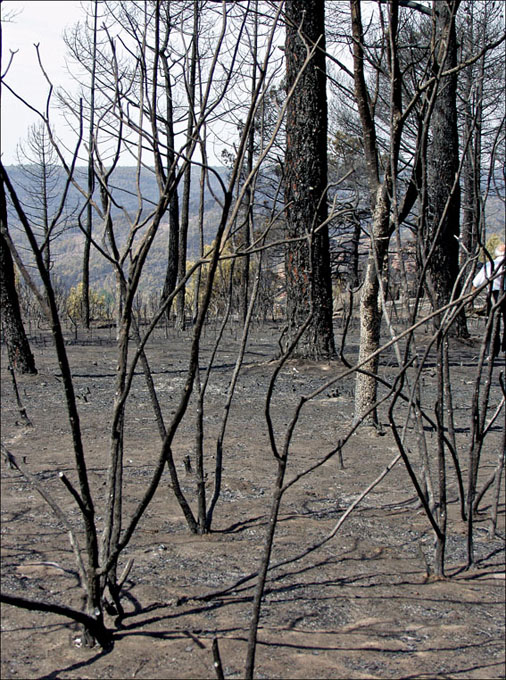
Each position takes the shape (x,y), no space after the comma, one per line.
(380,194)
(18,347)
(91,179)
(443,166)
(370,311)
(173,245)
(185,211)
(307,258)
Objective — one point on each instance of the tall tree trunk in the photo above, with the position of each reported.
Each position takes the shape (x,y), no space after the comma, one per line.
(91,179)
(307,257)
(185,212)
(173,245)
(380,194)
(46,250)
(370,310)
(472,95)
(18,348)
(247,229)
(443,165)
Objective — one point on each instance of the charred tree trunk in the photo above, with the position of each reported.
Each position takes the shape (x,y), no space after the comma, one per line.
(173,245)
(307,258)
(91,179)
(167,174)
(371,312)
(473,78)
(380,193)
(247,230)
(443,165)
(185,211)
(18,348)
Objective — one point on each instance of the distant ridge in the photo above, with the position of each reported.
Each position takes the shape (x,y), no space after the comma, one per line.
(67,246)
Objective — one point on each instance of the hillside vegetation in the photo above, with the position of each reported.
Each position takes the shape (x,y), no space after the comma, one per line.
(67,246)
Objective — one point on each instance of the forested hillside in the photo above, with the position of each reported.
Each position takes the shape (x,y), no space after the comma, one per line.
(67,245)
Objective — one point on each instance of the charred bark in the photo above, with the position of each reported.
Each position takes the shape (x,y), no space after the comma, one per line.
(307,258)
(173,245)
(443,165)
(18,347)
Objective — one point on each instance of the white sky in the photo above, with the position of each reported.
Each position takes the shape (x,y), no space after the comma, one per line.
(32,22)
(25,23)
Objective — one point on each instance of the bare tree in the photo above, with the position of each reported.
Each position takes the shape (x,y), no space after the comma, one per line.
(190,85)
(91,578)
(171,163)
(41,183)
(481,115)
(91,175)
(381,186)
(127,252)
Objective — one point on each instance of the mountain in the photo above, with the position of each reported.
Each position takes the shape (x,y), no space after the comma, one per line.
(67,245)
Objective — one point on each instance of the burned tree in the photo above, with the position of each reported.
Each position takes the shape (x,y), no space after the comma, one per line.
(443,189)
(18,348)
(307,260)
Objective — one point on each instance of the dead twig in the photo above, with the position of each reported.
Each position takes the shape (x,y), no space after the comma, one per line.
(22,409)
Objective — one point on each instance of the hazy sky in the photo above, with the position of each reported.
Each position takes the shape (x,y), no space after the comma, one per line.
(23,24)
